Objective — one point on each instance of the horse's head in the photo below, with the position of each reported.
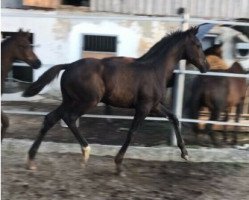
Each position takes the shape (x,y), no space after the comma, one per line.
(24,51)
(193,51)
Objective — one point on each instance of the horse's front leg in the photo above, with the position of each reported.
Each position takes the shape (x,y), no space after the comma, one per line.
(214,116)
(140,114)
(239,109)
(226,118)
(162,111)
(5,124)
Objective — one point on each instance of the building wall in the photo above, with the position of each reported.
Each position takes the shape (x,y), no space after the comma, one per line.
(196,8)
(225,9)
(59,40)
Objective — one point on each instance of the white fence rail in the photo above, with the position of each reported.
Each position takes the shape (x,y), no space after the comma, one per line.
(140,18)
(24,112)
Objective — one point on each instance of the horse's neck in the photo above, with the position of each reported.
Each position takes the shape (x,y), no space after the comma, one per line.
(170,60)
(7,58)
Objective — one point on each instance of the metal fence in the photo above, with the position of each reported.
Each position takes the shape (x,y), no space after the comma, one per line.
(178,98)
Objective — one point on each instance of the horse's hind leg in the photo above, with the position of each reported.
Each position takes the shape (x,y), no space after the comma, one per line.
(70,118)
(5,124)
(225,126)
(72,113)
(239,110)
(49,121)
(108,111)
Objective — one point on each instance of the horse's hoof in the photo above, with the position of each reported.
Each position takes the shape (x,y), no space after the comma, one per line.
(83,165)
(185,157)
(121,174)
(31,165)
(119,171)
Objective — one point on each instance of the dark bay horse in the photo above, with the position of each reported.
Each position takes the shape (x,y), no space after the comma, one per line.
(15,48)
(219,94)
(121,82)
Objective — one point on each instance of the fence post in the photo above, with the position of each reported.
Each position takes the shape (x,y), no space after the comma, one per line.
(178,90)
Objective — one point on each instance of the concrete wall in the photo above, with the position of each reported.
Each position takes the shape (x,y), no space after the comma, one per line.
(60,39)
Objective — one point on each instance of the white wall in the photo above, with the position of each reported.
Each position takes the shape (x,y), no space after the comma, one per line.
(60,40)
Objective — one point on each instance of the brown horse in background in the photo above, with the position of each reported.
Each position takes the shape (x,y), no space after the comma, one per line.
(215,58)
(218,94)
(121,82)
(15,48)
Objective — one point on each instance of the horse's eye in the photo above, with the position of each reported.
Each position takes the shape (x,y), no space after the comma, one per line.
(198,45)
(24,46)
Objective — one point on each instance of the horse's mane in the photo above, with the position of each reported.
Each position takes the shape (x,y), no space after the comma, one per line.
(13,37)
(161,47)
(6,40)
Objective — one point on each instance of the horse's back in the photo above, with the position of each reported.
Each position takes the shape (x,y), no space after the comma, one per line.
(121,81)
(91,79)
(83,80)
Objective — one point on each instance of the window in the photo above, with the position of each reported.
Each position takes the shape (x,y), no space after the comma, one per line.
(99,46)
(242,50)
(85,3)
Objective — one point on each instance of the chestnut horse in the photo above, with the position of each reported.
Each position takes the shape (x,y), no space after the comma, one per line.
(121,82)
(16,47)
(218,94)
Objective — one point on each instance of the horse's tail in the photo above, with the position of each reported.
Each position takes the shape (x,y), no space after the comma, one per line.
(46,78)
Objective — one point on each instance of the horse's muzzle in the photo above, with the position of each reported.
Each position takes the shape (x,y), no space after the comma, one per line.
(203,70)
(36,64)
(205,67)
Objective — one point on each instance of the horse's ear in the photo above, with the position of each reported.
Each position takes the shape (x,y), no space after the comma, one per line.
(28,33)
(195,30)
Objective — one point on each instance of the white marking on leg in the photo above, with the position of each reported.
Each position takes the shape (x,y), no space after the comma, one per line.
(86,153)
(31,165)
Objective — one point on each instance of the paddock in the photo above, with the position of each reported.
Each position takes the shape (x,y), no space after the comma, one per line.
(154,169)
(151,172)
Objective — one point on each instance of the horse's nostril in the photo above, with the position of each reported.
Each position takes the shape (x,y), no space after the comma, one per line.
(37,64)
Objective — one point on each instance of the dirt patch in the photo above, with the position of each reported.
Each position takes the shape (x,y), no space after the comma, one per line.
(60,176)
